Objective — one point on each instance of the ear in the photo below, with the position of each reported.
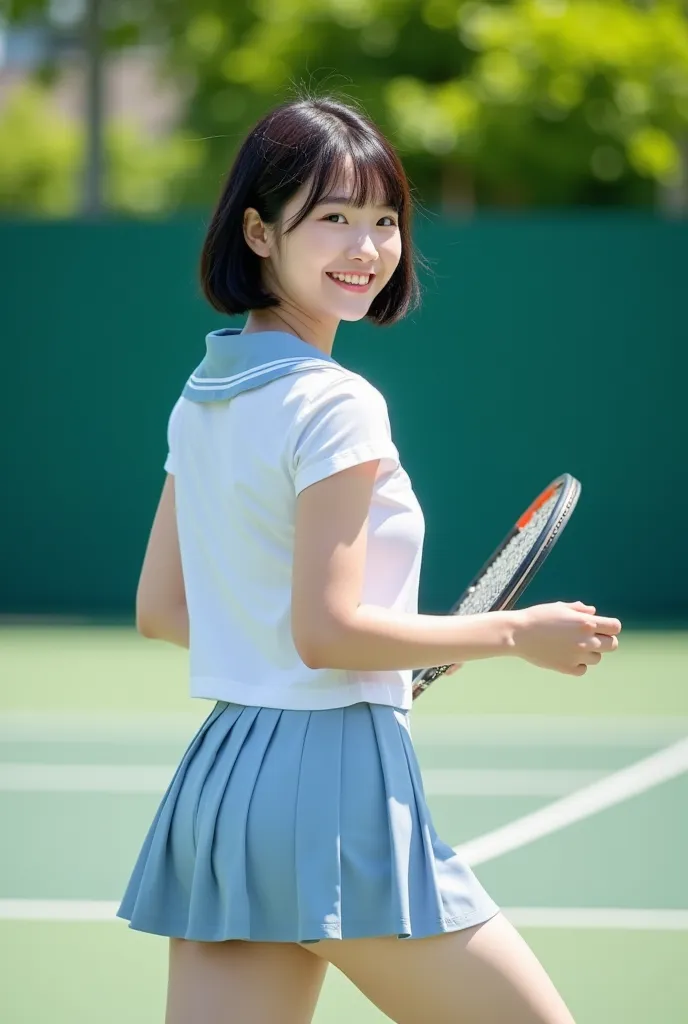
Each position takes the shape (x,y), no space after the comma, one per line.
(256,233)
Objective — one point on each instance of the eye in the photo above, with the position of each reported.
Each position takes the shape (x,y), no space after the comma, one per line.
(393,223)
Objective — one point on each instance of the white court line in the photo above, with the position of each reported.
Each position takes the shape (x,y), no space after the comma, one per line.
(631,919)
(85,778)
(98,727)
(607,792)
(505,781)
(626,918)
(58,910)
(145,778)
(452,730)
(548,730)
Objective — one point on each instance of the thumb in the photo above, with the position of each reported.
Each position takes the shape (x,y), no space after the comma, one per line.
(579,606)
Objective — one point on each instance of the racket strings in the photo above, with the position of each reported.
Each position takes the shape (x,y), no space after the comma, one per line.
(483,595)
(506,574)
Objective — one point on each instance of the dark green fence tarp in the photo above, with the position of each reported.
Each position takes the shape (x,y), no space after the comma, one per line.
(543,344)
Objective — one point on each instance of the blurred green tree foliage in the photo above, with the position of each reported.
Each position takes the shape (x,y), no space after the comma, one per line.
(41,154)
(509,102)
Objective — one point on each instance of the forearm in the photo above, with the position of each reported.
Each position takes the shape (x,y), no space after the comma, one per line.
(378,639)
(170,625)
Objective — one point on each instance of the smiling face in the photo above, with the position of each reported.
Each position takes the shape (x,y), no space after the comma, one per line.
(336,239)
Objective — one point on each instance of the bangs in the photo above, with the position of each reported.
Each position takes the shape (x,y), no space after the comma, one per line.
(375,179)
(324,148)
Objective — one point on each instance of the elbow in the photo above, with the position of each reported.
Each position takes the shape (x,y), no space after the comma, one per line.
(320,644)
(147,620)
(311,653)
(145,625)
(317,659)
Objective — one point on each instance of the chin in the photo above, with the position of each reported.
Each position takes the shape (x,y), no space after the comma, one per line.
(352,317)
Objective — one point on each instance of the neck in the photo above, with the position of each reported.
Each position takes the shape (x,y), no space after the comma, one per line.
(316,334)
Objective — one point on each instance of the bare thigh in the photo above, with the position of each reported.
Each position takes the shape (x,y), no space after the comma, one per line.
(481,975)
(242,983)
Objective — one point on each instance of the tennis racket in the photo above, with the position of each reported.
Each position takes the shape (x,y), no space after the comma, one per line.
(509,570)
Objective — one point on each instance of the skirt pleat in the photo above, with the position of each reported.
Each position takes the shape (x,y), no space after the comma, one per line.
(296,826)
(395,804)
(317,848)
(158,890)
(219,856)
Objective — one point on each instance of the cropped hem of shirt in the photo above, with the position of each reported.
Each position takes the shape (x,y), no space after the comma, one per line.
(309,698)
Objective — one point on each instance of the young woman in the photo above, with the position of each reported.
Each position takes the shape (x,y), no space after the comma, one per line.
(285,553)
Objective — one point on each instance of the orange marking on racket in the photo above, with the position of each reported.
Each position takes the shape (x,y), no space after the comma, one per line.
(538,503)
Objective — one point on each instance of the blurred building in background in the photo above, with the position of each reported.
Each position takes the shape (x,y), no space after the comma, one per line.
(47,112)
(133,90)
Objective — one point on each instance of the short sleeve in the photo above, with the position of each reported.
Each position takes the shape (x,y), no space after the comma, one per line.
(345,423)
(170,461)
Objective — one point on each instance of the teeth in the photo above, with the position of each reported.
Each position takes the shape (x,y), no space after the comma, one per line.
(352,278)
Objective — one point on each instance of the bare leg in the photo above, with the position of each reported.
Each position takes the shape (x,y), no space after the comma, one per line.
(481,975)
(242,983)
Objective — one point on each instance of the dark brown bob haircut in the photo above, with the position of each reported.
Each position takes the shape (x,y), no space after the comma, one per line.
(301,141)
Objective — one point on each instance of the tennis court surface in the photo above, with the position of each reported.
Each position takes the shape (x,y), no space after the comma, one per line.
(569,795)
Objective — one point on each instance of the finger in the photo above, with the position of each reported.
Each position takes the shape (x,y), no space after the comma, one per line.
(592,657)
(599,642)
(569,670)
(579,670)
(610,627)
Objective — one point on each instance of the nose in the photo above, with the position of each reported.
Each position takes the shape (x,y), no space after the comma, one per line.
(364,249)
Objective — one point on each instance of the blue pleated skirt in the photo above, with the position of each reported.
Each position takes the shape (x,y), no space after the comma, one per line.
(296,826)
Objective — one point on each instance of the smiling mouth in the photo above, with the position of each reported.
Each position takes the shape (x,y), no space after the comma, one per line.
(350,286)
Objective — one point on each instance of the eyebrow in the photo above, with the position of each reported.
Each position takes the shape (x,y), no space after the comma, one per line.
(346,200)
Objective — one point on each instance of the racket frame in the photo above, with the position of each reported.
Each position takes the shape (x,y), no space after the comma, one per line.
(569,492)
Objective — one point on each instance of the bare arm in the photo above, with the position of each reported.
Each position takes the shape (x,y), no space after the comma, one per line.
(330,625)
(161,612)
(331,628)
